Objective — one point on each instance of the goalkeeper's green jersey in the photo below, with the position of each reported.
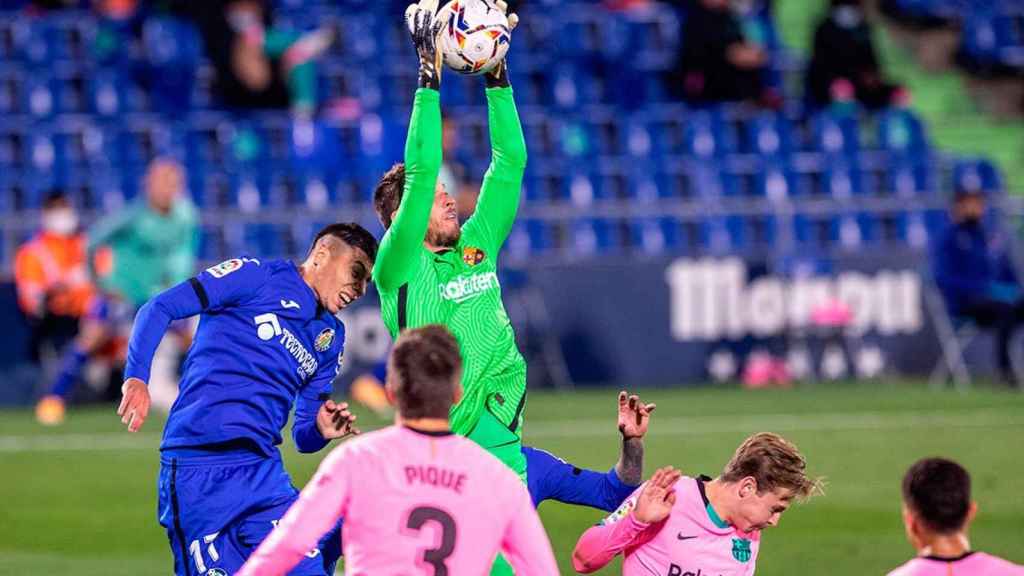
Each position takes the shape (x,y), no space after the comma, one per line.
(459,287)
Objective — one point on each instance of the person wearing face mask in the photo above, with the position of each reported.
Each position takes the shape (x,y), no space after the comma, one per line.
(976,276)
(844,66)
(134,254)
(50,275)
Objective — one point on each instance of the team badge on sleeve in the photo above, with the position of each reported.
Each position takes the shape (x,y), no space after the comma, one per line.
(623,510)
(224,268)
(472,256)
(324,340)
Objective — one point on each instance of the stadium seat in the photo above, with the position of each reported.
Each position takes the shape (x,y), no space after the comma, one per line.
(909,180)
(705,136)
(654,236)
(976,175)
(591,236)
(901,133)
(267,240)
(530,238)
(835,135)
(769,135)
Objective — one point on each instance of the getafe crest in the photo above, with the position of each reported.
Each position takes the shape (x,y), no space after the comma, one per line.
(324,340)
(741,549)
(472,256)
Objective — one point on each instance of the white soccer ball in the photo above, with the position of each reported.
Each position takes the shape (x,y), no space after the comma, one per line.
(475,35)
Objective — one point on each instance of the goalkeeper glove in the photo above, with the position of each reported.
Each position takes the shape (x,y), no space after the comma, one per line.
(498,76)
(419,18)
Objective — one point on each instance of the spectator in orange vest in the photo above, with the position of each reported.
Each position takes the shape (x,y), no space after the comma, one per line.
(50,273)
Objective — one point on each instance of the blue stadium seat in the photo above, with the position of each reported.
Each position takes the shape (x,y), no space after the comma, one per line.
(769,135)
(211,244)
(756,233)
(107,95)
(976,175)
(846,231)
(835,135)
(909,180)
(249,191)
(901,133)
(776,182)
(40,95)
(267,240)
(530,238)
(842,181)
(705,136)
(655,235)
(173,49)
(590,236)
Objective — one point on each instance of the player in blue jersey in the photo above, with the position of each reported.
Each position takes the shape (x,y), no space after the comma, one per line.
(268,339)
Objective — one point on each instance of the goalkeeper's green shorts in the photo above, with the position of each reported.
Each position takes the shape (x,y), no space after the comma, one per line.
(497,439)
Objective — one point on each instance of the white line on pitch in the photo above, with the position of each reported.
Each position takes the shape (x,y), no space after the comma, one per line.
(660,426)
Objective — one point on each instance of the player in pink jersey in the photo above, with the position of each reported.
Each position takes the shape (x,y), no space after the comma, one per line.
(416,498)
(675,525)
(937,509)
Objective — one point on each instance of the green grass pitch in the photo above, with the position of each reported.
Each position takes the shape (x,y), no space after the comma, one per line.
(80,499)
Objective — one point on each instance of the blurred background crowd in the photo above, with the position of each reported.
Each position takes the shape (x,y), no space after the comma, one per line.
(141,140)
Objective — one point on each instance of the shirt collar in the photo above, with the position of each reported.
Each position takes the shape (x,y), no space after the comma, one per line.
(712,514)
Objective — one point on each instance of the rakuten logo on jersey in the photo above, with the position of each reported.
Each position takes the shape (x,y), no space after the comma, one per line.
(466,288)
(269,327)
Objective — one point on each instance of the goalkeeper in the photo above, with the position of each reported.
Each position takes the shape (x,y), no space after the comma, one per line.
(429,271)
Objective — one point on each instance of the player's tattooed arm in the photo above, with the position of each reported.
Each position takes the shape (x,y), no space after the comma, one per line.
(634,417)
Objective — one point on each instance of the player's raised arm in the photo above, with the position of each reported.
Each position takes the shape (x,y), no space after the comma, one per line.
(407,227)
(525,544)
(320,505)
(500,192)
(634,416)
(222,285)
(635,522)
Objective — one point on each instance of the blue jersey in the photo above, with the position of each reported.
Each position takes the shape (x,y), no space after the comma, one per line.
(263,344)
(548,477)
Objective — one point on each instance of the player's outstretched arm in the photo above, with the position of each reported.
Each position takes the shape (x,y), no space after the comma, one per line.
(320,505)
(525,544)
(634,523)
(402,242)
(634,417)
(500,192)
(227,284)
(151,323)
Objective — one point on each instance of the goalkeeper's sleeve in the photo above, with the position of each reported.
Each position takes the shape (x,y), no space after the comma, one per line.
(499,195)
(402,242)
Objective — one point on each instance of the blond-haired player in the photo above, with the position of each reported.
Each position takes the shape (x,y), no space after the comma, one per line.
(677,525)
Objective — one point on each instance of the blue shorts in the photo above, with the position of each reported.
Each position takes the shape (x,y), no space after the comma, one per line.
(217,510)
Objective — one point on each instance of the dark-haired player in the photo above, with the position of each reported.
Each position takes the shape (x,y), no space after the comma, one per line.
(417,499)
(937,510)
(268,338)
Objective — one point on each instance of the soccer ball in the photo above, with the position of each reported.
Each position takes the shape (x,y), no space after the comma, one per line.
(475,35)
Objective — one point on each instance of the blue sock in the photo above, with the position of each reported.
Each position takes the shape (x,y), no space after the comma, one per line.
(74,360)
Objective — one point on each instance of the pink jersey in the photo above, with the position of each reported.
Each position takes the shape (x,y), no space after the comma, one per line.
(692,541)
(413,503)
(970,564)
